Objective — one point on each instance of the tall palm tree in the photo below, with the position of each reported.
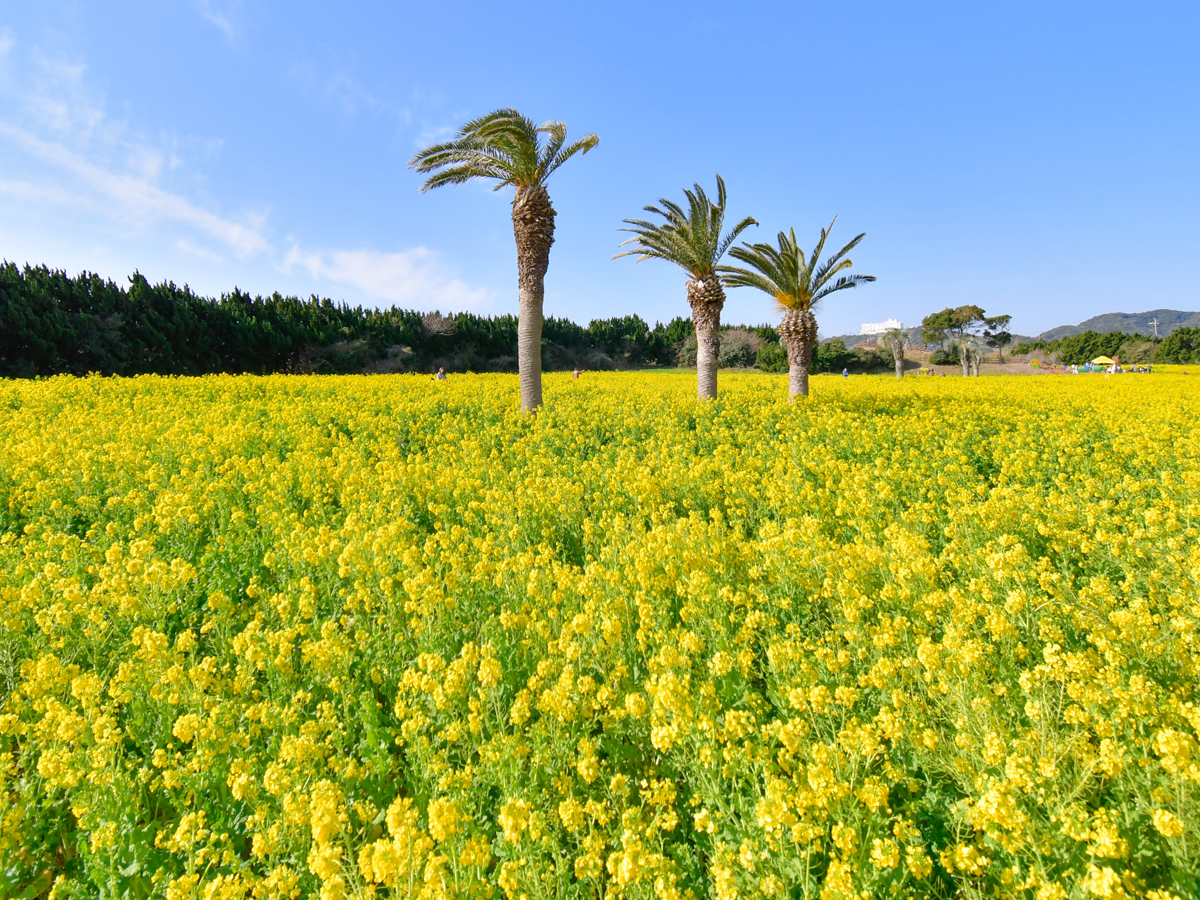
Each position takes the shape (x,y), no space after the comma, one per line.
(798,284)
(897,341)
(693,241)
(507,147)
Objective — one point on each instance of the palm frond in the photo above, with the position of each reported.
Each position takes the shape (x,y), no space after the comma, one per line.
(733,277)
(691,238)
(765,259)
(583,145)
(732,236)
(557,136)
(846,281)
(788,274)
(827,268)
(816,254)
(463,173)
(502,145)
(674,212)
(721,195)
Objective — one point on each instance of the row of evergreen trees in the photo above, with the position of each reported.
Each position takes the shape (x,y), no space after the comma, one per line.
(1180,346)
(51,322)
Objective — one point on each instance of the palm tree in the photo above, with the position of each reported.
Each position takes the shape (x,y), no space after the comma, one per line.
(968,354)
(507,147)
(896,341)
(693,241)
(798,285)
(971,354)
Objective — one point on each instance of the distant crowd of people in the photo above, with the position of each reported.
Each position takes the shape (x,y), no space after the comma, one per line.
(1114,369)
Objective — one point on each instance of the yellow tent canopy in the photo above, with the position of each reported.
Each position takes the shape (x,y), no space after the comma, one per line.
(1103,360)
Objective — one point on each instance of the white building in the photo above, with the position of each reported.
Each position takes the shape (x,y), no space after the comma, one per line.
(881,327)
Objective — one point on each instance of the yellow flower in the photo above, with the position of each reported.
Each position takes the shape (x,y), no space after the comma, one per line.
(443,819)
(514,818)
(326,811)
(186,726)
(1167,823)
(884,853)
(247,608)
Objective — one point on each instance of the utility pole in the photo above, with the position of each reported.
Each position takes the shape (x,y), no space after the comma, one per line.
(1154,322)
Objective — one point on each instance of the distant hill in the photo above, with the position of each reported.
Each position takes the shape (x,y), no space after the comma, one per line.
(1129,323)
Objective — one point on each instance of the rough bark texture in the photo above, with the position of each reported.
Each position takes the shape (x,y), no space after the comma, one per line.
(533,228)
(897,348)
(706,297)
(798,331)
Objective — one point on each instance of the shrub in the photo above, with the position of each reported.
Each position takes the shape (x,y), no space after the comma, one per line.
(946,356)
(831,356)
(739,347)
(772,358)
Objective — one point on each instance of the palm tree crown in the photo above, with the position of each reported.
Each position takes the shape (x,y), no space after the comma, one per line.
(503,145)
(793,278)
(691,240)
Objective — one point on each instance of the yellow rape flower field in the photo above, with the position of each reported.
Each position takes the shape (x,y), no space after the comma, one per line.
(383,636)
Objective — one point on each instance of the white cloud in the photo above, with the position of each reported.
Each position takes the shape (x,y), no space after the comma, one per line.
(74,178)
(70,153)
(411,278)
(136,198)
(348,93)
(57,99)
(326,78)
(434,134)
(199,252)
(224,16)
(39,193)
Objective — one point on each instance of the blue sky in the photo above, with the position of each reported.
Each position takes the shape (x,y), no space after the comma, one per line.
(1039,159)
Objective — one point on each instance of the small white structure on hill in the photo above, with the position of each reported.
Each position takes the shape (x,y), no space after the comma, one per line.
(881,327)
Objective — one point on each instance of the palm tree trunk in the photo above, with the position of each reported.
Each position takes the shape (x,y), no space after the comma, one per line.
(533,228)
(899,365)
(799,363)
(798,331)
(706,297)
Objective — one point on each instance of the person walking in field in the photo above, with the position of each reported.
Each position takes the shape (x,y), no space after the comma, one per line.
(441,374)
(575,374)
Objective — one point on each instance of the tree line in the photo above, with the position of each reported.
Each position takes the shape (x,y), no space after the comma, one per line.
(52,322)
(1180,346)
